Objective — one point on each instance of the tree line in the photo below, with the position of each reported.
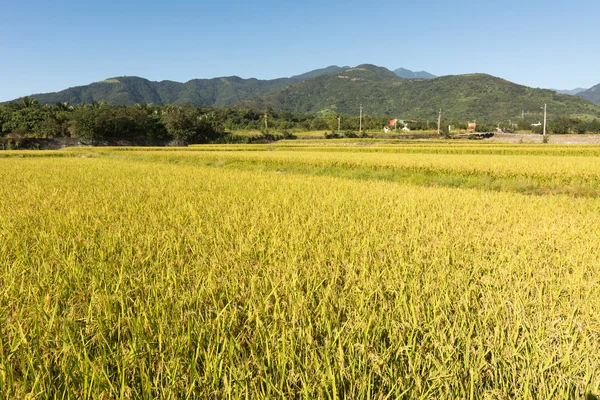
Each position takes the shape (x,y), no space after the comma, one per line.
(197,124)
(193,124)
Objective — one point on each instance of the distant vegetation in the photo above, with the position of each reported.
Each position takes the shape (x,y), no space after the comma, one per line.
(340,90)
(193,124)
(99,121)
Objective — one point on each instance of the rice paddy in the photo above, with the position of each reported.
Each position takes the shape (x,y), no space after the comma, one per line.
(405,270)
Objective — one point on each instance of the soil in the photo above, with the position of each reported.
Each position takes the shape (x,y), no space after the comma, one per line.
(553,139)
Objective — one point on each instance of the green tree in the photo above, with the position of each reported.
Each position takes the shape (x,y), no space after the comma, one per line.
(28,102)
(85,124)
(565,125)
(190,125)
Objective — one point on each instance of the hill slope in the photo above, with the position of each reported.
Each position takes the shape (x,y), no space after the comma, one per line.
(592,94)
(381,92)
(218,92)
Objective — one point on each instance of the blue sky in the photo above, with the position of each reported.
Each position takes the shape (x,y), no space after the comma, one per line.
(49,46)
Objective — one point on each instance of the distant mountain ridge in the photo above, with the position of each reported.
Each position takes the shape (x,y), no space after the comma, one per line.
(382,92)
(572,92)
(332,69)
(218,92)
(334,90)
(408,74)
(592,94)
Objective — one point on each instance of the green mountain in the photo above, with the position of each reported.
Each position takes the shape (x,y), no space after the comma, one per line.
(334,90)
(476,97)
(218,92)
(408,74)
(592,94)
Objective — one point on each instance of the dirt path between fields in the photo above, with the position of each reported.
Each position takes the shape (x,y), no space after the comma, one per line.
(554,139)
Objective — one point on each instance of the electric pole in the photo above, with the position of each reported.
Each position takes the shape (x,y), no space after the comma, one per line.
(545,120)
(339,119)
(439,121)
(266,123)
(360,121)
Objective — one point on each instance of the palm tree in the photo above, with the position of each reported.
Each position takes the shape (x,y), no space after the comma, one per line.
(28,101)
(98,105)
(63,106)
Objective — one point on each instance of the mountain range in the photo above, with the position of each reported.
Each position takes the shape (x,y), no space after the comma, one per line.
(408,74)
(572,92)
(334,90)
(218,92)
(380,91)
(592,94)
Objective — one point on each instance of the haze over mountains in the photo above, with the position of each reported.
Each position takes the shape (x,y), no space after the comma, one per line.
(335,90)
(572,92)
(408,74)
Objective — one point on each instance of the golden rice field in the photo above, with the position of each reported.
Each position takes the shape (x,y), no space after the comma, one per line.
(346,270)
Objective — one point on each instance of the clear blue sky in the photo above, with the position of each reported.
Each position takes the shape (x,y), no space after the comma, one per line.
(51,45)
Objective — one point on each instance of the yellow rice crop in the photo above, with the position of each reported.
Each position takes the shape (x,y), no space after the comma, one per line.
(168,274)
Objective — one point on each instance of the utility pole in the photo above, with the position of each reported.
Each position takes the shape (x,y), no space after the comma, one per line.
(545,109)
(360,123)
(439,121)
(266,123)
(523,115)
(339,119)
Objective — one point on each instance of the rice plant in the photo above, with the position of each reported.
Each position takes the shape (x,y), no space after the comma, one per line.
(270,273)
